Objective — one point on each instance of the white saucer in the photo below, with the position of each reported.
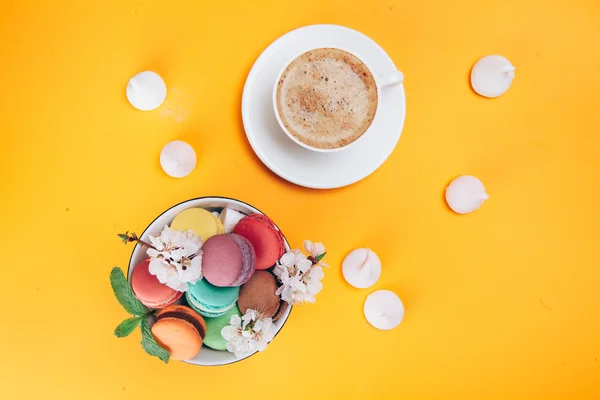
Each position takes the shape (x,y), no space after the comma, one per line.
(291,161)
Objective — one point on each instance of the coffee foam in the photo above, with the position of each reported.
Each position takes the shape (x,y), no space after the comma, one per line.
(327,98)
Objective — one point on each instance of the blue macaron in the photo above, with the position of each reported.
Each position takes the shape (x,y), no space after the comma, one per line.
(211,301)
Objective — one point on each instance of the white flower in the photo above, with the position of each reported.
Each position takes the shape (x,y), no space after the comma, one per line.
(176,258)
(300,279)
(292,288)
(314,249)
(251,315)
(248,334)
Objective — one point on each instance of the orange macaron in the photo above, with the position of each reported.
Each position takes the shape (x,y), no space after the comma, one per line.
(180,331)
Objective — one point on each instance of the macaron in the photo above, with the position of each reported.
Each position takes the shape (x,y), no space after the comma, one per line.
(266,239)
(228,260)
(259,294)
(213,338)
(209,300)
(282,309)
(180,331)
(149,290)
(202,222)
(220,227)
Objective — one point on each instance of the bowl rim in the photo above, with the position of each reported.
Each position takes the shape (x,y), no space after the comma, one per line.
(216,198)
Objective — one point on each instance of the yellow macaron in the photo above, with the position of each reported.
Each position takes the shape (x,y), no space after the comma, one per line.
(220,227)
(202,222)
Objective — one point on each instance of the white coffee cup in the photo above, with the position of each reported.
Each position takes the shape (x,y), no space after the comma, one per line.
(381,81)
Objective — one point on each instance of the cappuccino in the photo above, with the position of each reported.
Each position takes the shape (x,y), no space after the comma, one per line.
(327,98)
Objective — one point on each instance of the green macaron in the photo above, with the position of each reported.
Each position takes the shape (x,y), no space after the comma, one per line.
(211,301)
(213,338)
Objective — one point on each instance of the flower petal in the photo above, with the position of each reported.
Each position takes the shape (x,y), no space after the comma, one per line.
(299,257)
(287,294)
(155,267)
(287,259)
(315,287)
(304,265)
(308,246)
(261,345)
(319,249)
(227,332)
(235,321)
(152,253)
(230,347)
(316,273)
(309,298)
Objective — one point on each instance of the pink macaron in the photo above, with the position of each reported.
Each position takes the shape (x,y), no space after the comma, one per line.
(228,260)
(266,239)
(149,290)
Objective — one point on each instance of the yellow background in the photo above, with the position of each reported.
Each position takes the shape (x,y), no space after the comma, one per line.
(500,304)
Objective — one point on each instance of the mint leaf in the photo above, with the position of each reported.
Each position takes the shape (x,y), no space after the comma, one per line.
(320,257)
(150,345)
(124,294)
(124,237)
(128,326)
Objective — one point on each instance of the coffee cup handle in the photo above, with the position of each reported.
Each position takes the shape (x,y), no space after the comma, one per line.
(391,79)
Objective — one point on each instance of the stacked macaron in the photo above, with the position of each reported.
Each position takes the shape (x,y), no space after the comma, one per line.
(149,290)
(211,301)
(180,331)
(228,260)
(238,252)
(266,239)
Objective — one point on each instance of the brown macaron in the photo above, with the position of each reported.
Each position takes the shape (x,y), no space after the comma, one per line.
(180,331)
(282,309)
(259,294)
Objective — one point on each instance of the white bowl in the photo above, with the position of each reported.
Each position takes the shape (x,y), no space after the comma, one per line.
(206,356)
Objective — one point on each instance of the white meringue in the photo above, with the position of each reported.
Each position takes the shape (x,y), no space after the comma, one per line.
(361,268)
(229,218)
(465,194)
(492,76)
(146,91)
(384,310)
(178,159)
